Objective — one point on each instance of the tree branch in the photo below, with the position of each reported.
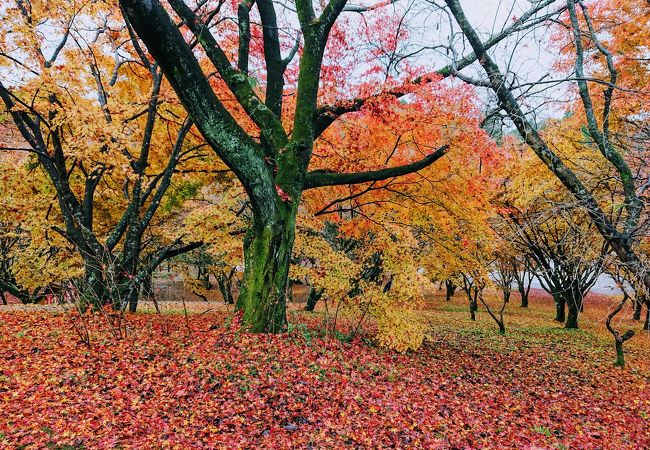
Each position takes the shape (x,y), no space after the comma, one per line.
(263,116)
(224,135)
(327,114)
(319,178)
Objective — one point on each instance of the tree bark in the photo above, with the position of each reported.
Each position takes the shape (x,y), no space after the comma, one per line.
(225,287)
(524,296)
(620,356)
(93,290)
(451,289)
(638,306)
(314,295)
(572,317)
(574,303)
(146,290)
(267,253)
(473,307)
(560,308)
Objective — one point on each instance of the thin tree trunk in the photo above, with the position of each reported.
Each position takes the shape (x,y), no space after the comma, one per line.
(225,287)
(314,295)
(620,355)
(572,317)
(560,308)
(473,305)
(524,296)
(575,305)
(619,339)
(451,289)
(638,306)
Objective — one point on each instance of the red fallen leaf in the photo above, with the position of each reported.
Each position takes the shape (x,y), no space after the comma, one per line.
(279,392)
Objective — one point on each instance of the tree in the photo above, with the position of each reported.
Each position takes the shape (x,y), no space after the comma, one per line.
(98,132)
(620,235)
(12,239)
(504,275)
(618,275)
(450,288)
(567,259)
(273,168)
(523,273)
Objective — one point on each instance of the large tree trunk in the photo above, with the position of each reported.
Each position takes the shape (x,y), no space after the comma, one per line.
(263,295)
(93,290)
(133,295)
(146,290)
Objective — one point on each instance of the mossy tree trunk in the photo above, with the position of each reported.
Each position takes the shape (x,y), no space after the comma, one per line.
(267,254)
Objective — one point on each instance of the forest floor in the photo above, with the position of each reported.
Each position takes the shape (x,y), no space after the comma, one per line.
(182,381)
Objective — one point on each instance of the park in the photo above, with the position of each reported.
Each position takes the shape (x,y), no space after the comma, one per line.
(333,224)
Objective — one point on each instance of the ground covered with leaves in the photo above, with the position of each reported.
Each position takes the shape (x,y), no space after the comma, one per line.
(182,382)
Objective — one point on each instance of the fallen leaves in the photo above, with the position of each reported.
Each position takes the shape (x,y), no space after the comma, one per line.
(165,387)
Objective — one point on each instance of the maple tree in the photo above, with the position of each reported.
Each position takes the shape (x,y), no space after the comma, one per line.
(323,169)
(269,153)
(585,40)
(544,225)
(101,132)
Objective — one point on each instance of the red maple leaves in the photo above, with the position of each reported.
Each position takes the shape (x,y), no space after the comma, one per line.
(165,386)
